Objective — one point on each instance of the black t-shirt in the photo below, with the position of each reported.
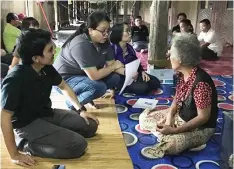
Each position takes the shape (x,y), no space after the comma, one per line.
(26,93)
(139,34)
(176,28)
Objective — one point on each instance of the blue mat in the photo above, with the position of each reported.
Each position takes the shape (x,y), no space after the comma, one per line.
(187,159)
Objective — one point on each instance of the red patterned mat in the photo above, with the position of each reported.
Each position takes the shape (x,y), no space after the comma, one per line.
(224,66)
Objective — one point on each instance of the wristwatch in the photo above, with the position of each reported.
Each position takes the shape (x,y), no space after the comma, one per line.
(79,111)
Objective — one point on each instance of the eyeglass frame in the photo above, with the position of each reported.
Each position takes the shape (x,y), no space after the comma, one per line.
(103,32)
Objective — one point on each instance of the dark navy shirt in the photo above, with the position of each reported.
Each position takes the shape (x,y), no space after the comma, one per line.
(139,34)
(26,94)
(131,56)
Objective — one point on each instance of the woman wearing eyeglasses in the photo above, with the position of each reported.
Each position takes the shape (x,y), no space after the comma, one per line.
(124,52)
(86,60)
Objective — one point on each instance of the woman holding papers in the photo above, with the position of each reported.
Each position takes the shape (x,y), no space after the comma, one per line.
(86,60)
(191,120)
(120,37)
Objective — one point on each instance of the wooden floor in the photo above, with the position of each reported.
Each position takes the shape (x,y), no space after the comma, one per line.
(106,150)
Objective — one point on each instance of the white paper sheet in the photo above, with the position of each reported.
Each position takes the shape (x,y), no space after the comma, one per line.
(145,103)
(130,70)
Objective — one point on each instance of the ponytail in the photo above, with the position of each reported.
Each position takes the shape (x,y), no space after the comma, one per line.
(81,29)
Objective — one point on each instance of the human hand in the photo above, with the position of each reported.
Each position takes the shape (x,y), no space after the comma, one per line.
(145,77)
(118,64)
(23,160)
(165,129)
(168,55)
(3,52)
(109,94)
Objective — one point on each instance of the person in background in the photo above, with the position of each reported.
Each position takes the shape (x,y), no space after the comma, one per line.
(144,83)
(86,60)
(28,22)
(26,107)
(140,36)
(180,17)
(4,66)
(191,120)
(11,32)
(211,46)
(185,26)
(21,16)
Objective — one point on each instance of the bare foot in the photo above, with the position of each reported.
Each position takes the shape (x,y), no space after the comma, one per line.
(92,105)
(109,94)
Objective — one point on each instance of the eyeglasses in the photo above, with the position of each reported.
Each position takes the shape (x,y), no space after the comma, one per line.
(105,32)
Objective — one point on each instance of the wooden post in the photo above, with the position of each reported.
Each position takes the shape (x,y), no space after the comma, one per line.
(56,14)
(69,10)
(158,32)
(137,8)
(117,11)
(125,16)
(112,11)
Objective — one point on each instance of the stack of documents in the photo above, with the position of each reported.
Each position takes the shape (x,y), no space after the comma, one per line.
(145,103)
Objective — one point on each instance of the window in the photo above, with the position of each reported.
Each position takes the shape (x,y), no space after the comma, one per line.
(230,4)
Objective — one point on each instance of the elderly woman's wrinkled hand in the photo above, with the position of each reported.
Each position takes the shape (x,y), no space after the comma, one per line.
(145,77)
(165,129)
(168,55)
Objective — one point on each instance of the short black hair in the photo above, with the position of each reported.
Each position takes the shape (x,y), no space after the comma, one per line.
(138,17)
(10,16)
(186,21)
(32,42)
(116,33)
(182,14)
(206,21)
(29,21)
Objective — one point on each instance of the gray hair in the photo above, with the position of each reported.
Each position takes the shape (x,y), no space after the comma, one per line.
(186,49)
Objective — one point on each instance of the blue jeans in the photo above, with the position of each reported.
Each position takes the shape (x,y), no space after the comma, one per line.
(87,90)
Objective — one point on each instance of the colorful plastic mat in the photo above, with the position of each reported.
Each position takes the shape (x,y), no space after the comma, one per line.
(206,158)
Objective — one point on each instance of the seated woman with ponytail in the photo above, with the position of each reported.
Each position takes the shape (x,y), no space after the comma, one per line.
(124,52)
(86,60)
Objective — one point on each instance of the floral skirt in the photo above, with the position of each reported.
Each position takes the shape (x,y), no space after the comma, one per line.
(173,143)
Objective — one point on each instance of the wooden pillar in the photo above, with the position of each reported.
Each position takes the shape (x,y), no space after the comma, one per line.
(69,3)
(125,16)
(137,7)
(108,7)
(112,11)
(117,11)
(56,14)
(78,10)
(158,33)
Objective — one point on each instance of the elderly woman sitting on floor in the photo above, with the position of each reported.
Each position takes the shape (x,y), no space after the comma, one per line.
(191,119)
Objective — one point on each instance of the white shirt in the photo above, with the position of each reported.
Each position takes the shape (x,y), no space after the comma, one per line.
(214,40)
